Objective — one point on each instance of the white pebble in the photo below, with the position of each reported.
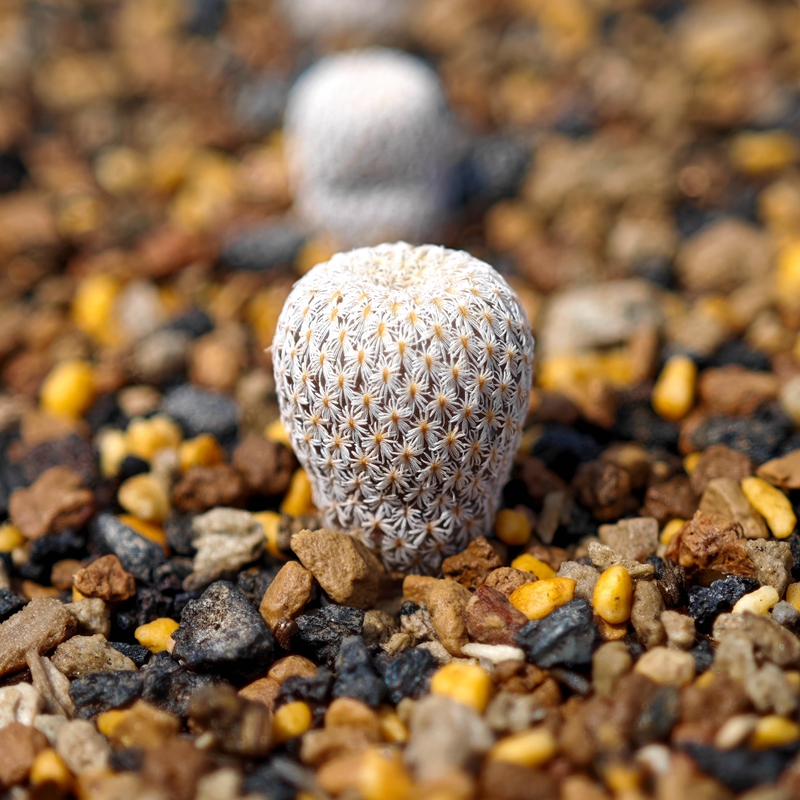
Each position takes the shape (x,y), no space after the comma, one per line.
(758,602)
(493,652)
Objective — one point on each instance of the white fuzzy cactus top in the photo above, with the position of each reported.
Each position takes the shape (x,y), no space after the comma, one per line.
(403,375)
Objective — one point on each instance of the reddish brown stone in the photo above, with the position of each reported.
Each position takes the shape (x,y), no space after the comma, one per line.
(472,566)
(107,579)
(734,390)
(266,466)
(175,768)
(19,746)
(507,579)
(54,502)
(709,542)
(719,461)
(202,488)
(670,500)
(501,780)
(491,619)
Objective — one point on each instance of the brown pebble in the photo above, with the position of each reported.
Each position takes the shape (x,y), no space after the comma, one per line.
(538,479)
(175,768)
(635,538)
(506,781)
(712,543)
(84,655)
(633,458)
(41,626)
(416,588)
(266,466)
(772,641)
(605,488)
(339,774)
(347,712)
(107,579)
(491,619)
(734,390)
(447,602)
(783,472)
(724,497)
(62,573)
(19,746)
(344,567)
(646,614)
(54,502)
(319,746)
(145,726)
(289,666)
(670,500)
(719,461)
(202,488)
(507,579)
(285,598)
(712,703)
(263,690)
(471,567)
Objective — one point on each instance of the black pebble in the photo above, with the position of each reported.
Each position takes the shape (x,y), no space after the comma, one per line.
(703,654)
(132,465)
(320,633)
(10,603)
(563,449)
(409,674)
(135,652)
(102,691)
(264,247)
(138,555)
(356,676)
(565,636)
(198,411)
(169,686)
(706,603)
(659,716)
(194,322)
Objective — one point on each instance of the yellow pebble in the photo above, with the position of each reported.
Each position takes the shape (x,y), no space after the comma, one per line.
(382,776)
(145,497)
(10,538)
(151,531)
(528,563)
(142,725)
(466,683)
(93,304)
(690,462)
(68,390)
(772,504)
(392,727)
(76,595)
(112,446)
(202,451)
(276,432)
(291,720)
(622,778)
(759,152)
(673,394)
(145,437)
(758,602)
(793,595)
(774,731)
(50,768)
(512,527)
(528,749)
(155,636)
(271,521)
(670,529)
(613,595)
(537,600)
(298,498)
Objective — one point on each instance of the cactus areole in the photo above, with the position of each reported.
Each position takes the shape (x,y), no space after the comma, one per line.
(403,375)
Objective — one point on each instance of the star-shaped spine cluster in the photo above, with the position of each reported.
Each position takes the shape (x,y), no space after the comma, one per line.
(403,376)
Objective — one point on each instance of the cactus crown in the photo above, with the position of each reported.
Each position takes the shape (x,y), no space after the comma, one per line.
(403,377)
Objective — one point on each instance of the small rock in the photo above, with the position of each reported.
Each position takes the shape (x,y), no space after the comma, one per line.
(82,747)
(604,557)
(143,726)
(706,603)
(168,685)
(787,615)
(666,667)
(92,615)
(719,461)
(565,636)
(177,767)
(610,662)
(437,650)
(773,562)
(266,466)
(223,632)
(447,602)
(262,690)
(284,599)
(648,606)
(102,691)
(138,555)
(356,676)
(409,674)
(10,603)
(711,543)
(771,691)
(345,568)
(83,655)
(680,630)
(724,497)
(635,538)
(604,488)
(202,488)
(55,502)
(472,566)
(225,539)
(444,735)
(19,703)
(416,588)
(238,726)
(783,472)
(491,619)
(493,653)
(19,746)
(512,713)
(320,633)
(674,499)
(584,575)
(507,579)
(415,621)
(733,390)
(199,412)
(379,627)
(106,579)
(42,625)
(51,684)
(771,641)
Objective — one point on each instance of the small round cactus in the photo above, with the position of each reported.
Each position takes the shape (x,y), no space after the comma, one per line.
(369,136)
(403,375)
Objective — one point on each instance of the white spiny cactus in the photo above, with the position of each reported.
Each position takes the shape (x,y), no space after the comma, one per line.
(403,375)
(369,136)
